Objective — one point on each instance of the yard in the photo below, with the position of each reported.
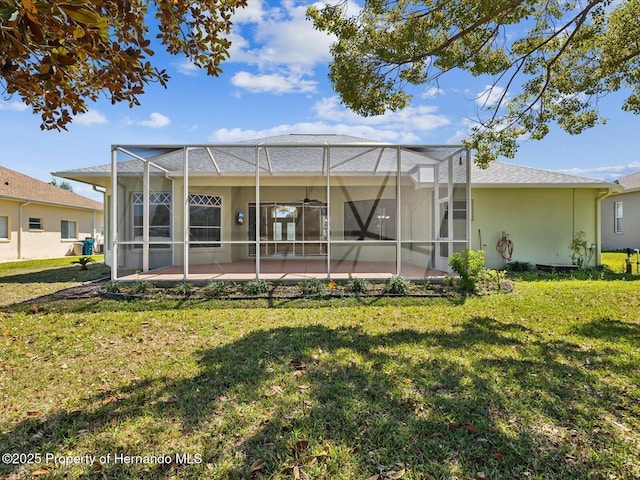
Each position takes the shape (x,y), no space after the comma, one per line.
(539,383)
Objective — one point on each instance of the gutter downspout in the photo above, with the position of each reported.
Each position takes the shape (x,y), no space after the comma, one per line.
(20,219)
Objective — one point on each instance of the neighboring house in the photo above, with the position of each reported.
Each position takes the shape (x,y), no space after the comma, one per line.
(39,220)
(295,206)
(541,211)
(621,216)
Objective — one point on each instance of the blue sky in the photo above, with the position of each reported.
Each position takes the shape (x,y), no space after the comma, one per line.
(276,83)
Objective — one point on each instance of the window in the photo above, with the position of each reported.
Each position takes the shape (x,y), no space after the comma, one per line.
(459,210)
(4,228)
(35,224)
(205,220)
(68,230)
(617,222)
(159,217)
(370,219)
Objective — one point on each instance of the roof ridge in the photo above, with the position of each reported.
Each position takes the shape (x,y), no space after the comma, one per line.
(14,184)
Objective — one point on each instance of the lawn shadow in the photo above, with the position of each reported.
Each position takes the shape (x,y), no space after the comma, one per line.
(611,330)
(72,273)
(313,397)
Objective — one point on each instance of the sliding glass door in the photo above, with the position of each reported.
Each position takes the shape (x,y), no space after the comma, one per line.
(290,229)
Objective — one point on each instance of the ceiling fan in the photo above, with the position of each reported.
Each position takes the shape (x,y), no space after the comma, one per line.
(309,201)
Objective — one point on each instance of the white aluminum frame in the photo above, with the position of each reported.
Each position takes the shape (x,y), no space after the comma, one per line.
(452,151)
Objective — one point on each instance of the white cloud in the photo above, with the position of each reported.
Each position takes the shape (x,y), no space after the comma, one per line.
(332,118)
(281,44)
(13,106)
(490,96)
(252,13)
(363,131)
(280,37)
(418,118)
(91,117)
(432,92)
(156,120)
(605,172)
(187,68)
(274,83)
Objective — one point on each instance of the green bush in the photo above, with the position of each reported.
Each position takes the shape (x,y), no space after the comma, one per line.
(184,289)
(84,262)
(397,286)
(140,286)
(216,289)
(113,287)
(312,287)
(357,285)
(256,287)
(520,267)
(468,264)
(494,278)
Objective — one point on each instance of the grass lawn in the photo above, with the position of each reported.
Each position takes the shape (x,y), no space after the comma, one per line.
(44,277)
(617,261)
(541,383)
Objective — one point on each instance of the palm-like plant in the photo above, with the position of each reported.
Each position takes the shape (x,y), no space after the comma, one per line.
(84,262)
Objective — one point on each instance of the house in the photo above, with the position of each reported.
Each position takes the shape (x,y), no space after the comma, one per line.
(39,220)
(620,220)
(326,206)
(538,211)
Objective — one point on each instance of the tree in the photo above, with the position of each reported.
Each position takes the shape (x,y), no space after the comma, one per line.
(64,185)
(57,54)
(550,61)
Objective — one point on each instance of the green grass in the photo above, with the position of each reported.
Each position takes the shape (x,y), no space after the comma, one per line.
(616,261)
(44,277)
(541,383)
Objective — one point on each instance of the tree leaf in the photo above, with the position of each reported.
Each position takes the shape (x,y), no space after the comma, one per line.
(78,32)
(395,474)
(470,427)
(257,465)
(300,447)
(8,14)
(42,471)
(81,14)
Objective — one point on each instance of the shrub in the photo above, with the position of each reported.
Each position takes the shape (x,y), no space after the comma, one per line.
(357,285)
(494,277)
(312,287)
(468,264)
(113,287)
(216,289)
(84,262)
(397,286)
(520,267)
(256,287)
(581,253)
(140,286)
(184,289)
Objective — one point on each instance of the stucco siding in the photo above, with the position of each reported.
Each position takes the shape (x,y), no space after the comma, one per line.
(541,222)
(630,236)
(46,242)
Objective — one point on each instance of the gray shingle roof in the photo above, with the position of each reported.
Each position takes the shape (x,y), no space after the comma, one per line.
(506,174)
(14,185)
(630,181)
(304,154)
